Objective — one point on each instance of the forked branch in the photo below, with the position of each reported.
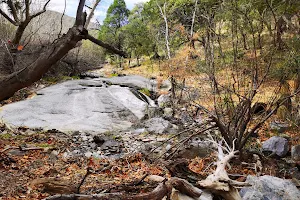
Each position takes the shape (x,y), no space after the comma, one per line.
(219,183)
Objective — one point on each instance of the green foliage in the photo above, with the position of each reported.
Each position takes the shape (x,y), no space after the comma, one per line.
(111,31)
(145,91)
(5,136)
(138,39)
(114,74)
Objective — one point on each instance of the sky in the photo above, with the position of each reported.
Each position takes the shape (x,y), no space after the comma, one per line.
(100,13)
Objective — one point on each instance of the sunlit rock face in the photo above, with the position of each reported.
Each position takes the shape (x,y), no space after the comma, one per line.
(84,105)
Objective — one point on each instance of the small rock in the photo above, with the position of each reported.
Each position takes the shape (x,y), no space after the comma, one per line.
(66,155)
(99,140)
(168,147)
(88,154)
(168,112)
(93,145)
(276,145)
(186,118)
(166,85)
(206,196)
(54,152)
(295,151)
(139,131)
(96,155)
(84,138)
(164,100)
(161,139)
(157,125)
(76,152)
(279,126)
(110,144)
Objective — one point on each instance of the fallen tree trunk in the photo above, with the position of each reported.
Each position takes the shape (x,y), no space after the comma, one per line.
(162,190)
(29,74)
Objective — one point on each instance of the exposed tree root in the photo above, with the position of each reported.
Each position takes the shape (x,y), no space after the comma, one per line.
(219,183)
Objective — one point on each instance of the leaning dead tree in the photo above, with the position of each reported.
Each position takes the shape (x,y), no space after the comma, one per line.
(52,54)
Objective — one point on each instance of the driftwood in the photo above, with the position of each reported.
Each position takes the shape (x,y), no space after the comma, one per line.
(55,185)
(219,183)
(163,189)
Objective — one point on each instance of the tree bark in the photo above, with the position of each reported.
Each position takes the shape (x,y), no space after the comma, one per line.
(19,32)
(162,190)
(280,25)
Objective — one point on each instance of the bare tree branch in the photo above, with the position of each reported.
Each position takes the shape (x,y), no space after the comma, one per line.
(13,9)
(8,18)
(27,6)
(41,12)
(106,46)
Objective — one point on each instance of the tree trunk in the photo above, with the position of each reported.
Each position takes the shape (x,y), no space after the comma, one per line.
(244,40)
(19,32)
(279,32)
(26,76)
(164,16)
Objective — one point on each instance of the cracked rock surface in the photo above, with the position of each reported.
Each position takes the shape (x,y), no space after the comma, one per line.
(79,105)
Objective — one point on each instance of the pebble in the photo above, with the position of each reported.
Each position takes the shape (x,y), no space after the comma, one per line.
(88,154)
(84,138)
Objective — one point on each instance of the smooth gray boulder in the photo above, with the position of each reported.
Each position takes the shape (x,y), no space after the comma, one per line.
(269,187)
(276,145)
(78,105)
(295,152)
(157,125)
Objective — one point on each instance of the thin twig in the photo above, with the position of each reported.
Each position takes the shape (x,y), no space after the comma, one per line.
(88,172)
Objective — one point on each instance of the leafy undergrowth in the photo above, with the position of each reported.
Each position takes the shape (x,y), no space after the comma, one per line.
(37,173)
(33,166)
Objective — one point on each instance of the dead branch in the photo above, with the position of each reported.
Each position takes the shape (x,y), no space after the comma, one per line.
(8,18)
(88,172)
(105,45)
(219,183)
(162,190)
